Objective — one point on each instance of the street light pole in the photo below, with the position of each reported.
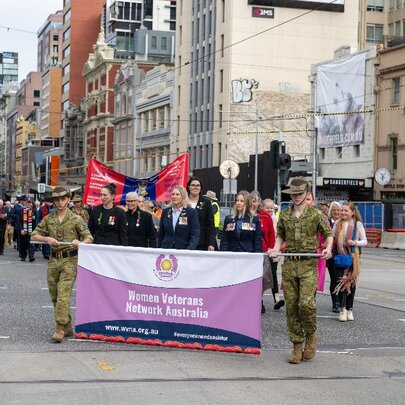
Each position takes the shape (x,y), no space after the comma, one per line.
(256,146)
(314,155)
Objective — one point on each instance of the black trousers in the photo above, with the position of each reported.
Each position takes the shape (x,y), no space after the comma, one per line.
(346,300)
(26,247)
(333,275)
(2,236)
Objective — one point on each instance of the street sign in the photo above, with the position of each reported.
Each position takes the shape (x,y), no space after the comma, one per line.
(297,166)
(41,188)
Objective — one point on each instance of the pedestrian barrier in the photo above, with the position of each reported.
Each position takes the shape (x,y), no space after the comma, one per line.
(373,237)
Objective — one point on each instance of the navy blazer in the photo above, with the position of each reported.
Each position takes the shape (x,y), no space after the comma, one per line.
(186,234)
(247,240)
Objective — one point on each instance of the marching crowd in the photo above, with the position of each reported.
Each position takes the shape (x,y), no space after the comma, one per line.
(311,239)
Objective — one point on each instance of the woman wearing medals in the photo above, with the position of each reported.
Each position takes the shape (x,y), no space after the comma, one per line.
(179,227)
(107,222)
(205,214)
(141,230)
(241,231)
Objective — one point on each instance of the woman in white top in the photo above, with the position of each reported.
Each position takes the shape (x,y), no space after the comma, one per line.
(349,237)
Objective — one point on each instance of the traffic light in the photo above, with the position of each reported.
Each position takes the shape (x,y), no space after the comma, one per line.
(284,161)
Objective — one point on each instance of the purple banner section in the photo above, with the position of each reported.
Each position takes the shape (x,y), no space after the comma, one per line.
(234,308)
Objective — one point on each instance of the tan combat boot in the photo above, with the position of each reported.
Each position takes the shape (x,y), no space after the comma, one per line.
(310,347)
(296,356)
(68,329)
(59,333)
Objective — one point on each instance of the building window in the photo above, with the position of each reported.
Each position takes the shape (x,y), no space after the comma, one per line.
(339,152)
(37,93)
(222,45)
(395,90)
(153,44)
(56,37)
(391,30)
(221,80)
(163,44)
(220,115)
(356,150)
(66,52)
(223,10)
(66,69)
(398,28)
(65,88)
(36,104)
(374,33)
(322,152)
(178,94)
(375,5)
(394,152)
(180,35)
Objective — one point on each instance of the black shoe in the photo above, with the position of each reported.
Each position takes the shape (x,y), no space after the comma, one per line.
(32,259)
(279,304)
(23,260)
(263,308)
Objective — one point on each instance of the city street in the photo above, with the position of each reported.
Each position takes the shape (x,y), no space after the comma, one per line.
(360,362)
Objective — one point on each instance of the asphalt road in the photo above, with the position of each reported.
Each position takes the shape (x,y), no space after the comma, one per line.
(360,362)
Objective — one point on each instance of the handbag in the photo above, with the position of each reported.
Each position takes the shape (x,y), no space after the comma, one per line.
(346,261)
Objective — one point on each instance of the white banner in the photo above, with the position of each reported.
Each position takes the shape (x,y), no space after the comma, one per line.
(340,88)
(176,298)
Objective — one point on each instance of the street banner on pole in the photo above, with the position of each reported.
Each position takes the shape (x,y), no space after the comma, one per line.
(156,188)
(175,298)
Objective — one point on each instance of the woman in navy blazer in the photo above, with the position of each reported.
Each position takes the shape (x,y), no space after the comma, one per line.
(179,227)
(242,232)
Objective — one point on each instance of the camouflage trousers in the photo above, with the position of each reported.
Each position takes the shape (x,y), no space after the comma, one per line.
(61,278)
(300,278)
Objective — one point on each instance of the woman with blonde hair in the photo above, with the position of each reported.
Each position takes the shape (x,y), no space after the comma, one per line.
(349,235)
(179,227)
(242,231)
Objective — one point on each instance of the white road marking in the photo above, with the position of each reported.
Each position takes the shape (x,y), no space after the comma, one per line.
(399,299)
(87,340)
(4,337)
(361,298)
(327,316)
(402,320)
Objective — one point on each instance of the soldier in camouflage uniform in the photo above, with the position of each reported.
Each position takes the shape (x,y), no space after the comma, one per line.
(298,226)
(62,226)
(78,209)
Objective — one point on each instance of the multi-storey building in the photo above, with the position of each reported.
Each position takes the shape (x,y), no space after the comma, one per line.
(99,74)
(154,109)
(25,131)
(81,25)
(242,73)
(8,67)
(50,42)
(28,99)
(50,65)
(390,138)
(128,79)
(7,104)
(123,18)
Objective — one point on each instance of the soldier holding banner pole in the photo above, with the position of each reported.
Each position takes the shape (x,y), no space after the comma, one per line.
(298,226)
(56,229)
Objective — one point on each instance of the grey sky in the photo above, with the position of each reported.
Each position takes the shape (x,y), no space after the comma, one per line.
(26,15)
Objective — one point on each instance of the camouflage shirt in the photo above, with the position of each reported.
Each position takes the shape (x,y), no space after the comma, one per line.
(82,212)
(72,227)
(301,234)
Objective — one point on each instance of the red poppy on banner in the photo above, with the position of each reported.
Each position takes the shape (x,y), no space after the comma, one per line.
(156,188)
